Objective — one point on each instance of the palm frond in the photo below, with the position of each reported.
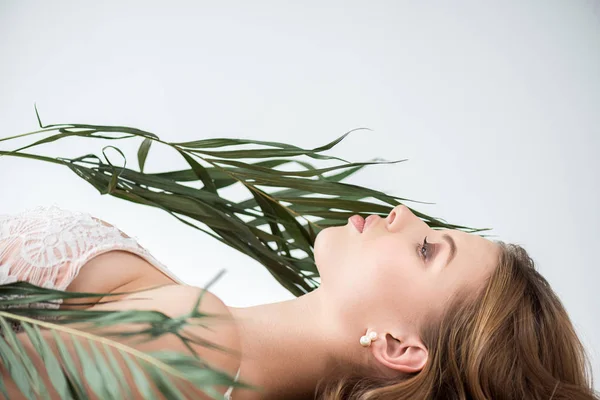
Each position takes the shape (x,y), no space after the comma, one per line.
(100,369)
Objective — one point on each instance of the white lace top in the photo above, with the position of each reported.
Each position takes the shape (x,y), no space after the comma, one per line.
(48,245)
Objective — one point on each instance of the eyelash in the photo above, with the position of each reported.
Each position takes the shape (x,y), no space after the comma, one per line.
(425,246)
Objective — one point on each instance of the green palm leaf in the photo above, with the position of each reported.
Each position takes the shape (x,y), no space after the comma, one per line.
(100,369)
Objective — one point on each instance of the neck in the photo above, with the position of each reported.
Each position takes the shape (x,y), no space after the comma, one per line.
(286,348)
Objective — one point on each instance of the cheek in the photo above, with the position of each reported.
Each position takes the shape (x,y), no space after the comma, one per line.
(397,280)
(360,274)
(345,258)
(390,263)
(392,276)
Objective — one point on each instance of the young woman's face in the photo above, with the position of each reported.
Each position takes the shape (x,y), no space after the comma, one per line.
(385,274)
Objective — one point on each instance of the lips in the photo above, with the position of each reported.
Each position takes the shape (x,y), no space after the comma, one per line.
(369,221)
(358,222)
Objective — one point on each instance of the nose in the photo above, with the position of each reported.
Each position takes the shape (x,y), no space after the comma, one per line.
(398,215)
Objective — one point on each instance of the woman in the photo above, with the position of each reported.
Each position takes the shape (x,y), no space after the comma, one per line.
(403,312)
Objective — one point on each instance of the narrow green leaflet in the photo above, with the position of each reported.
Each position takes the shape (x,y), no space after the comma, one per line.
(143,153)
(14,364)
(53,367)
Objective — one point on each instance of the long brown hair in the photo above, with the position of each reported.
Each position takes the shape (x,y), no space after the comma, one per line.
(510,340)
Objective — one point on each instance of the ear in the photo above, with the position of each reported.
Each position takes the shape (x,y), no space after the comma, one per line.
(408,355)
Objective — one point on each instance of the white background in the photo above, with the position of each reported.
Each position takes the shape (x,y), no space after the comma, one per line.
(495,104)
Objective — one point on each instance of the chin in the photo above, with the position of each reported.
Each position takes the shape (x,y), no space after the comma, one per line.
(331,246)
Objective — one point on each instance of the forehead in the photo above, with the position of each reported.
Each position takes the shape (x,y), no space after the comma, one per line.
(475,259)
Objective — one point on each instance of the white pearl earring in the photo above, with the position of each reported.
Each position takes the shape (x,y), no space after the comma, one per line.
(366,340)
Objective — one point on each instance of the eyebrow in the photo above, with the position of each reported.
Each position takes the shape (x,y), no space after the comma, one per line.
(452,244)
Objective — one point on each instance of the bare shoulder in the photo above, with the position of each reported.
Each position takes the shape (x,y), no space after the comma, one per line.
(221,328)
(216,324)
